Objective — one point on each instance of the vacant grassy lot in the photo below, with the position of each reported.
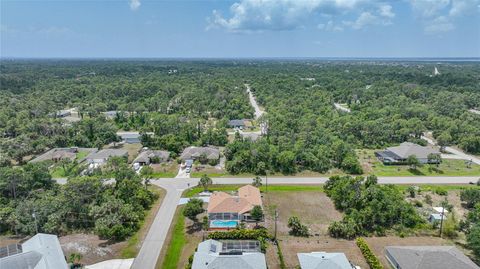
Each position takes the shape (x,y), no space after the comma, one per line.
(133,149)
(448,167)
(165,170)
(316,211)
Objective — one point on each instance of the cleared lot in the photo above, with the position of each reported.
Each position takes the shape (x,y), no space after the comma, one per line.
(315,210)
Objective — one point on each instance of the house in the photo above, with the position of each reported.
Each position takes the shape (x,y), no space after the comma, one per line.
(63,113)
(428,257)
(237,124)
(101,157)
(226,211)
(400,153)
(194,153)
(132,137)
(58,154)
(42,251)
(323,260)
(238,254)
(148,156)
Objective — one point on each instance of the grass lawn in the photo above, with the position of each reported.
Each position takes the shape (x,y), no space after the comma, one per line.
(165,170)
(134,242)
(176,242)
(271,188)
(81,154)
(448,167)
(57,172)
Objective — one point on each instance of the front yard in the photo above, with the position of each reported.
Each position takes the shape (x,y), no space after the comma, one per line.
(448,167)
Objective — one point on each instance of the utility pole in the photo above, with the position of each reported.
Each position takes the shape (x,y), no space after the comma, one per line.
(35,218)
(442,216)
(266,181)
(276,218)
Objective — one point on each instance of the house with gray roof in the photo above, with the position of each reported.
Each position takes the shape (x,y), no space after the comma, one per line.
(399,154)
(101,157)
(240,124)
(428,257)
(147,156)
(194,153)
(132,137)
(43,251)
(324,260)
(212,254)
(58,154)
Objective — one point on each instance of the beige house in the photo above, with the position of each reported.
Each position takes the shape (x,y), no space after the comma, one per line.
(227,211)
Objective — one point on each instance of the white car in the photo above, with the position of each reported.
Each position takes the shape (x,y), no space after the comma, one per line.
(188,169)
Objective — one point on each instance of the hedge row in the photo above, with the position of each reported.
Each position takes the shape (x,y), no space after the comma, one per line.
(372,260)
(240,234)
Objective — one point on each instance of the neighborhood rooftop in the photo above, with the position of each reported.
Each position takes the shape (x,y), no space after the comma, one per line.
(210,255)
(43,251)
(196,152)
(107,153)
(323,260)
(428,257)
(248,197)
(57,154)
(145,156)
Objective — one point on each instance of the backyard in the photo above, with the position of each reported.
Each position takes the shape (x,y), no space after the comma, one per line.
(448,167)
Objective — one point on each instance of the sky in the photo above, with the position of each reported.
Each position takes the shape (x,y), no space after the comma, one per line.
(239,29)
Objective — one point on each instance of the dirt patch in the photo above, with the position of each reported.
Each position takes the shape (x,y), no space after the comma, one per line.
(378,244)
(293,245)
(6,240)
(92,248)
(314,209)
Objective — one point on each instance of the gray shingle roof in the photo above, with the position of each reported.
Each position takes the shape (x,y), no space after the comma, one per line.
(195,152)
(236,123)
(107,153)
(407,149)
(428,257)
(323,260)
(146,155)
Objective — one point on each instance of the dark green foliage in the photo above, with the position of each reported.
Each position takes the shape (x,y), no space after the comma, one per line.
(205,181)
(257,213)
(375,208)
(112,211)
(473,239)
(240,234)
(193,208)
(470,197)
(371,259)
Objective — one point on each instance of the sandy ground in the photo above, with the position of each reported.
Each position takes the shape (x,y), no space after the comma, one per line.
(316,211)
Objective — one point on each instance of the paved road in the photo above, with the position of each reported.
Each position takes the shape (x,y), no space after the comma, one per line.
(157,234)
(152,245)
(253,102)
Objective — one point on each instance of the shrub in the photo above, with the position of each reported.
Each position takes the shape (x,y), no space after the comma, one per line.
(371,259)
(240,234)
(411,191)
(296,227)
(193,208)
(428,199)
(441,191)
(417,203)
(470,197)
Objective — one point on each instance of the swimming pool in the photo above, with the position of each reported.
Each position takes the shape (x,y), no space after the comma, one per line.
(223,224)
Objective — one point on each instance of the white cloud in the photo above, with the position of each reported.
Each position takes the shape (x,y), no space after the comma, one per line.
(330,26)
(439,15)
(439,25)
(261,15)
(134,4)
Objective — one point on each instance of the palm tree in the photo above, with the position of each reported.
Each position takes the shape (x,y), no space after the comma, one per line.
(257,182)
(205,181)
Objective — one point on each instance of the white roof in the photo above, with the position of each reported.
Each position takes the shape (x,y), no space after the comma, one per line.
(439,209)
(323,260)
(49,246)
